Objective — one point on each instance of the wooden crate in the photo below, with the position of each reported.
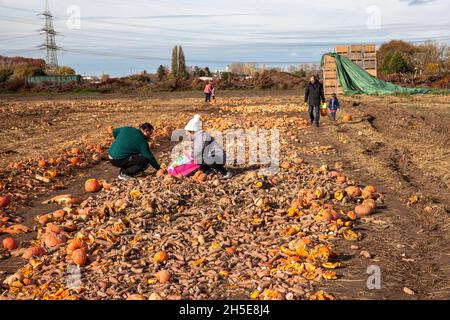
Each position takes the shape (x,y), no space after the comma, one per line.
(364,55)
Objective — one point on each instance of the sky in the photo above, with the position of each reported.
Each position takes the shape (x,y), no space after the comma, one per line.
(118,37)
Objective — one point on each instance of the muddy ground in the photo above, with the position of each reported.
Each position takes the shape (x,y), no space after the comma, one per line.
(400,144)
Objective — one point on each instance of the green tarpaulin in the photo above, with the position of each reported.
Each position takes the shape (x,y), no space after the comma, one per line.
(355,80)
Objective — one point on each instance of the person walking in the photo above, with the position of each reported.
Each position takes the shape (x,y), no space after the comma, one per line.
(208,91)
(334,106)
(314,95)
(130,151)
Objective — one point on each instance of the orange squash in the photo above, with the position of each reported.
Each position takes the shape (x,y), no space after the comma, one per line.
(75,245)
(161,256)
(366,194)
(52,240)
(329,215)
(370,189)
(92,185)
(363,210)
(5,200)
(42,163)
(74,160)
(50,227)
(341,179)
(163,276)
(33,252)
(347,117)
(10,243)
(353,191)
(79,257)
(59,214)
(371,203)
(202,178)
(352,215)
(75,151)
(285,165)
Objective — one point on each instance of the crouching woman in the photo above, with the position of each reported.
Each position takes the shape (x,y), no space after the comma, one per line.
(130,150)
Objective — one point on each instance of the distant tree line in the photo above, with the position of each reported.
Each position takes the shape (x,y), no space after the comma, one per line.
(399,56)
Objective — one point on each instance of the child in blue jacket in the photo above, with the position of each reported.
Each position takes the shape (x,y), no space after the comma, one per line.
(333,105)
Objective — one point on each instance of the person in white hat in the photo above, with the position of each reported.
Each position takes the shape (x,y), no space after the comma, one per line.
(207,152)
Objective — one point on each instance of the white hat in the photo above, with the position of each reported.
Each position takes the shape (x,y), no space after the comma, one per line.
(195,124)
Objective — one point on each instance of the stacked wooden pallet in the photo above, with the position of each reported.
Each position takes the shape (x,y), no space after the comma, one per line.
(363,55)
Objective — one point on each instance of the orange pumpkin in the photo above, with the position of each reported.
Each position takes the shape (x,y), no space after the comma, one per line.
(14,165)
(74,160)
(329,215)
(352,215)
(363,210)
(92,185)
(161,256)
(202,178)
(371,203)
(353,191)
(366,194)
(5,200)
(75,151)
(79,257)
(52,240)
(163,276)
(33,252)
(10,243)
(42,163)
(285,165)
(370,189)
(231,250)
(347,117)
(51,228)
(43,219)
(105,185)
(59,214)
(341,179)
(75,245)
(322,249)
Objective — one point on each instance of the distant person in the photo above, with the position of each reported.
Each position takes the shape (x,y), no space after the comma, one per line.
(208,91)
(334,106)
(314,96)
(130,150)
(213,94)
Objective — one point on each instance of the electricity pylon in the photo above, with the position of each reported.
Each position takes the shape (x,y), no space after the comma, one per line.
(50,43)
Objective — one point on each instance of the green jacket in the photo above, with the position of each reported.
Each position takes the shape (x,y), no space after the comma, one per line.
(130,141)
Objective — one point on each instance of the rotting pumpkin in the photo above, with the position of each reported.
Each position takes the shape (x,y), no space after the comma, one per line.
(92,185)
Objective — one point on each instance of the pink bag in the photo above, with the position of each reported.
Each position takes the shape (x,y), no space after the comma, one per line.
(184,165)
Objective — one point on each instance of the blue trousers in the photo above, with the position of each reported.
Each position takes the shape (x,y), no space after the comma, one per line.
(333,115)
(311,114)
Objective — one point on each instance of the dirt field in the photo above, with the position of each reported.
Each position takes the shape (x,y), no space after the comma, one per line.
(399,144)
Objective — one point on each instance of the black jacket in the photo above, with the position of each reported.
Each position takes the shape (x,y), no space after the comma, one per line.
(314,93)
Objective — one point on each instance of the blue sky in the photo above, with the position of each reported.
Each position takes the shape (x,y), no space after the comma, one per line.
(117,37)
